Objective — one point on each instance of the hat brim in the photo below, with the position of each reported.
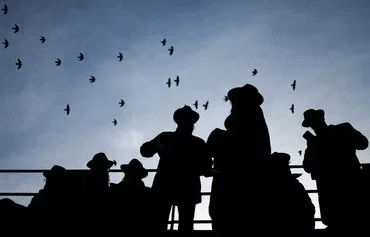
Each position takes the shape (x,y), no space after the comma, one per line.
(92,164)
(179,116)
(142,174)
(239,94)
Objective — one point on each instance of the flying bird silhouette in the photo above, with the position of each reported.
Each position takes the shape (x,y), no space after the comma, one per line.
(292,108)
(226,98)
(67,109)
(300,152)
(171,50)
(81,57)
(120,56)
(205,105)
(177,80)
(5,9)
(254,72)
(19,63)
(6,43)
(114,122)
(121,103)
(196,104)
(169,82)
(58,62)
(92,79)
(15,28)
(164,42)
(293,85)
(42,39)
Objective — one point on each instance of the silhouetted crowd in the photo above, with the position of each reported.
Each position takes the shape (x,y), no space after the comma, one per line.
(254,192)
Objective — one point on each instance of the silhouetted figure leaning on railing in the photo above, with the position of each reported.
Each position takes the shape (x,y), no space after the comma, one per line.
(291,211)
(134,202)
(183,159)
(331,160)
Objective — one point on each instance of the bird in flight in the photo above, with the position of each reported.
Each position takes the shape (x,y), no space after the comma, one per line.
(15,28)
(120,56)
(42,39)
(254,72)
(5,9)
(164,42)
(6,43)
(177,80)
(169,82)
(292,108)
(205,105)
(121,103)
(300,152)
(293,85)
(171,50)
(92,79)
(58,62)
(81,57)
(226,98)
(114,122)
(196,104)
(67,109)
(19,63)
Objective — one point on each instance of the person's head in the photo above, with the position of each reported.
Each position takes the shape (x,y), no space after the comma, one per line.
(314,119)
(55,177)
(280,165)
(134,170)
(100,162)
(246,96)
(185,118)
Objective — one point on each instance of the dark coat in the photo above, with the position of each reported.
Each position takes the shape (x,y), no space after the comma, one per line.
(183,159)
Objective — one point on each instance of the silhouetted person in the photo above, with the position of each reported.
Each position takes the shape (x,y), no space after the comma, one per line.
(96,190)
(134,200)
(217,149)
(248,149)
(292,212)
(331,160)
(51,197)
(183,159)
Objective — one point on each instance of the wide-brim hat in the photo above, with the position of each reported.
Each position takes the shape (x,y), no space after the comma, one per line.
(185,114)
(245,93)
(134,167)
(100,160)
(54,171)
(312,115)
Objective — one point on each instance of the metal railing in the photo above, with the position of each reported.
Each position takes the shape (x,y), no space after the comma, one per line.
(120,171)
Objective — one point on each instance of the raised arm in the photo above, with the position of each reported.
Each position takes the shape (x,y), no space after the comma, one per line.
(150,148)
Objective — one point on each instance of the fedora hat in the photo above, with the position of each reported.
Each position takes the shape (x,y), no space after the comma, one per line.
(100,160)
(54,171)
(245,93)
(185,114)
(312,115)
(134,167)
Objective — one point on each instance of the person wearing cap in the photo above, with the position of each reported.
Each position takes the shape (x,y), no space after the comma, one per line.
(330,158)
(183,159)
(97,179)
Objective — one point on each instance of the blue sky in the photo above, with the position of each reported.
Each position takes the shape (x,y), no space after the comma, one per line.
(321,44)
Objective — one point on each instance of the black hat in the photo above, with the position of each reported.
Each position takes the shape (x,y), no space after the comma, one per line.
(185,114)
(245,93)
(54,171)
(100,160)
(312,115)
(134,167)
